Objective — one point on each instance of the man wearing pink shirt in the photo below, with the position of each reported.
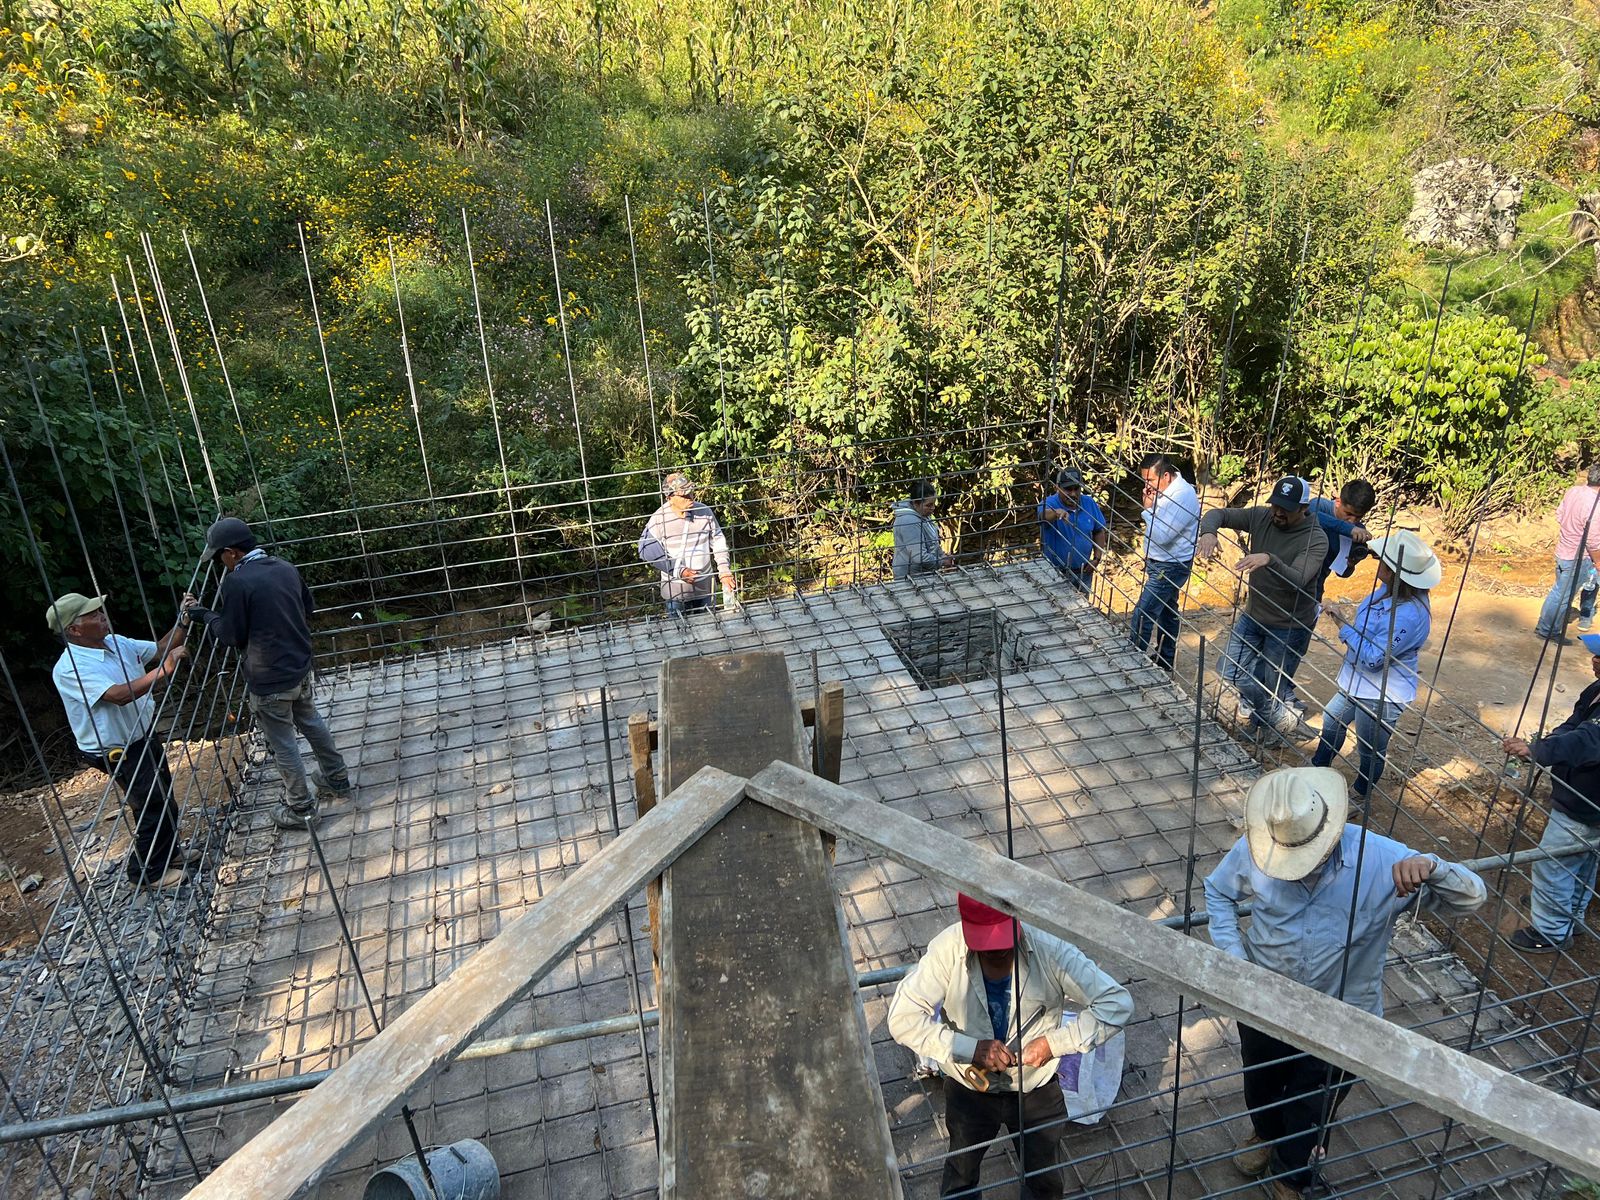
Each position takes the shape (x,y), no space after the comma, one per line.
(1577,555)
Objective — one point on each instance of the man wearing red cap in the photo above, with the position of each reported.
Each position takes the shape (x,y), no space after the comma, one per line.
(986,1002)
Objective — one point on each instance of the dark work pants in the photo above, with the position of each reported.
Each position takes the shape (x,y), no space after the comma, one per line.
(1287,1091)
(976,1117)
(146,785)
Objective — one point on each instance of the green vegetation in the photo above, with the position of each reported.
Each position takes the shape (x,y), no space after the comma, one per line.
(914,206)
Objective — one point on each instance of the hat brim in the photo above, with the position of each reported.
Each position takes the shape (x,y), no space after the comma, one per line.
(96,603)
(981,936)
(1591,642)
(208,554)
(1427,579)
(1294,862)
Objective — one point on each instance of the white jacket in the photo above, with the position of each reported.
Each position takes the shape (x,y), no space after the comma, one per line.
(1054,972)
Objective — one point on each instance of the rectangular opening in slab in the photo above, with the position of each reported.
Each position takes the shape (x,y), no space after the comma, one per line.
(965,646)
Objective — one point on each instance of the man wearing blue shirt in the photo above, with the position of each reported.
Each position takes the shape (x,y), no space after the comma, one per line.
(1072,529)
(1298,860)
(106,683)
(1171,517)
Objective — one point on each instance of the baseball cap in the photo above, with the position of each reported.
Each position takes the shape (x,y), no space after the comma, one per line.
(229,531)
(1069,477)
(1591,642)
(64,610)
(984,928)
(1290,492)
(677,484)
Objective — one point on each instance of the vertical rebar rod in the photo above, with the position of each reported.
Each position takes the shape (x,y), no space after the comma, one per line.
(134,456)
(416,416)
(644,340)
(627,917)
(1188,906)
(227,383)
(716,333)
(338,419)
(158,288)
(577,418)
(494,416)
(366,995)
(111,479)
(113,974)
(144,394)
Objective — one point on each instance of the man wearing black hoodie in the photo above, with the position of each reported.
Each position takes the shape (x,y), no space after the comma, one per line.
(265,611)
(1564,883)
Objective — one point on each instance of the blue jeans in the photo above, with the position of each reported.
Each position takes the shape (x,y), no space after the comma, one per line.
(677,608)
(1553,616)
(1254,663)
(279,715)
(1157,610)
(1299,640)
(1079,577)
(1373,731)
(1563,885)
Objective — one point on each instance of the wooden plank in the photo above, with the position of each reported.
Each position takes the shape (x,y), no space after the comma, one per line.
(640,745)
(1397,1060)
(641,748)
(828,737)
(298,1149)
(769,1084)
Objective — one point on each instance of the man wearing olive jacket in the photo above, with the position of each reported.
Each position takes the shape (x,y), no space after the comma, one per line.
(1287,552)
(960,1007)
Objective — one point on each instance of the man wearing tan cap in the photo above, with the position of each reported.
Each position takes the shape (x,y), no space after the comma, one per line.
(682,540)
(106,685)
(1298,860)
(977,1006)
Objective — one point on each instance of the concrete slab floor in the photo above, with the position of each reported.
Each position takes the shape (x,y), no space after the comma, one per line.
(485,776)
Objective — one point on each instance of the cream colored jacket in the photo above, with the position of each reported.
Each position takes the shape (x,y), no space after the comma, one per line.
(1055,974)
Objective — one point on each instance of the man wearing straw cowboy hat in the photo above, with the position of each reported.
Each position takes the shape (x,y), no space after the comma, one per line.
(1563,883)
(265,615)
(106,685)
(681,540)
(1299,860)
(956,1007)
(1382,639)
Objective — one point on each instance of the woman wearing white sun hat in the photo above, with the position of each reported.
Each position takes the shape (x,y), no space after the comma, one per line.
(1382,640)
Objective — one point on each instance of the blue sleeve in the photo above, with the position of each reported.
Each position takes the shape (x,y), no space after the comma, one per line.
(1330,523)
(651,551)
(1225,888)
(1368,636)
(1098,517)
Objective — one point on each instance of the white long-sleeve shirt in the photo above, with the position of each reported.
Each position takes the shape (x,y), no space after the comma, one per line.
(1172,523)
(1053,972)
(673,542)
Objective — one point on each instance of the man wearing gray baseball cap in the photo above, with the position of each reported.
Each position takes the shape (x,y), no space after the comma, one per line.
(265,615)
(106,685)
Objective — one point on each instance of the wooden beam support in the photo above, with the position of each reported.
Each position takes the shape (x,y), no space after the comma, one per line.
(769,1085)
(641,742)
(827,737)
(1397,1060)
(298,1150)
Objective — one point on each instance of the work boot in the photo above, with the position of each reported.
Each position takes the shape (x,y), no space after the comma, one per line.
(172,878)
(334,791)
(1534,942)
(1251,1159)
(285,817)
